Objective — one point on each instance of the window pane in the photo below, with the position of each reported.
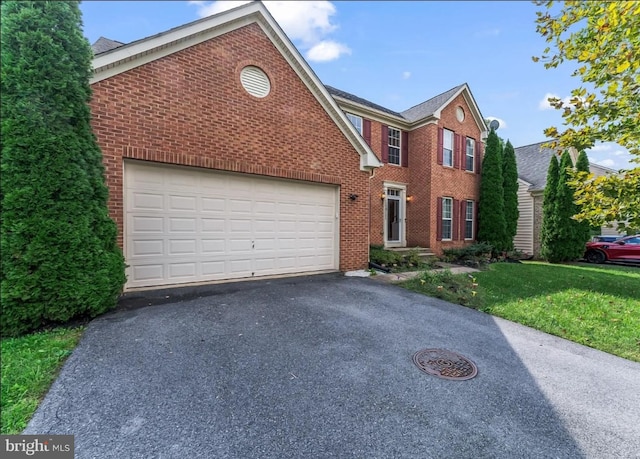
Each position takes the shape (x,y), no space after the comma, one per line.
(468,230)
(446,229)
(447,153)
(446,208)
(394,146)
(471,147)
(356,121)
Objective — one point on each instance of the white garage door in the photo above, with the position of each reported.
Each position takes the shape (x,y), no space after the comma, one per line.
(192,225)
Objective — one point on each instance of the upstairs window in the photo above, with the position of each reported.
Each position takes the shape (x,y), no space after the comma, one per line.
(394,146)
(470,154)
(447,148)
(356,121)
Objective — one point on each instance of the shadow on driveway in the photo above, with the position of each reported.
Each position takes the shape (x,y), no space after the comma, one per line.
(321,366)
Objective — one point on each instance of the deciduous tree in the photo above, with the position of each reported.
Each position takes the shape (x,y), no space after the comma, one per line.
(603,39)
(59,254)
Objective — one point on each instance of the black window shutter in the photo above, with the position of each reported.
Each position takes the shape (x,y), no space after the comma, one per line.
(366,131)
(405,149)
(440,144)
(478,157)
(456,150)
(384,142)
(439,219)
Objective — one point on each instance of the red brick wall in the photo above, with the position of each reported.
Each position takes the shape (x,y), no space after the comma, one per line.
(189,108)
(425,179)
(448,182)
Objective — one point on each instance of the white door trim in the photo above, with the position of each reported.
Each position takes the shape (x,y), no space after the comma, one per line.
(402,198)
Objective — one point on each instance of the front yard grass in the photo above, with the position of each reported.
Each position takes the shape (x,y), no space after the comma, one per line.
(598,306)
(30,363)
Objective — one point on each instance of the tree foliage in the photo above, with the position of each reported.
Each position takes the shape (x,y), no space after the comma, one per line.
(59,254)
(569,244)
(510,190)
(491,220)
(603,39)
(548,233)
(583,226)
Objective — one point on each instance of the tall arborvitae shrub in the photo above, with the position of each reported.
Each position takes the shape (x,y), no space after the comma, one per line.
(491,221)
(567,247)
(510,190)
(548,232)
(583,230)
(59,254)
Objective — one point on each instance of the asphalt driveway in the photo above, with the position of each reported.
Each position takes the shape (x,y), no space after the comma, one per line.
(320,367)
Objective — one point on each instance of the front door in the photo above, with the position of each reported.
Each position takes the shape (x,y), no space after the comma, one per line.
(394,218)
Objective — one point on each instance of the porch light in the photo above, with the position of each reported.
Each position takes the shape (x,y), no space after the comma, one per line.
(383,195)
(410,198)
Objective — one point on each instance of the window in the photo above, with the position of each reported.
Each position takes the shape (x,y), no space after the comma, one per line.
(468,220)
(471,148)
(394,146)
(356,121)
(447,218)
(447,148)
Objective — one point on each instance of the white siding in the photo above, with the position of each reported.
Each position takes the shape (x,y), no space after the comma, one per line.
(523,240)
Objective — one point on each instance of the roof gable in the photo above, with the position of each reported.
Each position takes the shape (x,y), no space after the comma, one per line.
(140,52)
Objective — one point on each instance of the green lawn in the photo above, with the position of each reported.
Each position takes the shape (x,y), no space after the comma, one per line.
(595,305)
(29,365)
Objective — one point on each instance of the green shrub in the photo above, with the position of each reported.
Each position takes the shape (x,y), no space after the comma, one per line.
(479,253)
(455,288)
(60,259)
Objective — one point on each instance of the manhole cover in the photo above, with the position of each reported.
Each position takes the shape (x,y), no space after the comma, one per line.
(445,364)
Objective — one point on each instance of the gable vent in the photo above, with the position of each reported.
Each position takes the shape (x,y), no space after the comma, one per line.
(255,81)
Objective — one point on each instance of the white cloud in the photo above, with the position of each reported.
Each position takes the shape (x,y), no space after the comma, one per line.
(406,75)
(327,51)
(503,123)
(601,147)
(306,22)
(545,105)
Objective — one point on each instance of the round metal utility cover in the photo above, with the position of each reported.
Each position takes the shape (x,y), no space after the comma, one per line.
(445,364)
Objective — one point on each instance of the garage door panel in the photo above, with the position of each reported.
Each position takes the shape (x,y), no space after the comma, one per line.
(191,225)
(148,201)
(144,224)
(182,247)
(178,270)
(182,203)
(147,247)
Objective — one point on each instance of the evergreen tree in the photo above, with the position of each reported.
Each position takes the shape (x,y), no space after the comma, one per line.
(583,231)
(548,232)
(491,221)
(510,190)
(59,254)
(567,246)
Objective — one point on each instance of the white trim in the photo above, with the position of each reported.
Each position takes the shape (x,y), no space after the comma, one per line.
(475,111)
(402,187)
(143,51)
(442,219)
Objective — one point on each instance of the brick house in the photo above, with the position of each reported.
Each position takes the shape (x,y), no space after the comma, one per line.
(227,158)
(426,194)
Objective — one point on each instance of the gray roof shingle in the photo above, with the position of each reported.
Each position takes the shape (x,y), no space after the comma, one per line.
(429,107)
(533,163)
(102,45)
(359,100)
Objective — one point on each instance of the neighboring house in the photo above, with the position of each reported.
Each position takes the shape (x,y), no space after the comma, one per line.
(533,164)
(227,158)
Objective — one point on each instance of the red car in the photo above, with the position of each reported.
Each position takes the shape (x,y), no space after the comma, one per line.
(626,249)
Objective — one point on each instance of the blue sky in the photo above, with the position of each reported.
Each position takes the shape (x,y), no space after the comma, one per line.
(398,54)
